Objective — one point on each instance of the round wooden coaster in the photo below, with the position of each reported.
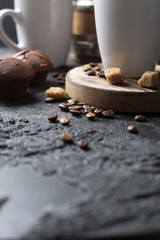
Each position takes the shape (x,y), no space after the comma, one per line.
(96,91)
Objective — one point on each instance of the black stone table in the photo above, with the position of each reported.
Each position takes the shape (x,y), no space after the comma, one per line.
(53,190)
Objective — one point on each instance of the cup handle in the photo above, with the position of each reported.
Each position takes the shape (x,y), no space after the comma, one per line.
(17,17)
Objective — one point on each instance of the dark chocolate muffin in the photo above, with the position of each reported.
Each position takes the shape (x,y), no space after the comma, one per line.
(39,61)
(15,77)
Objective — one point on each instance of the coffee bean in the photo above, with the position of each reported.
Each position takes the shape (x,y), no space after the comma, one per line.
(83,143)
(93,64)
(140,118)
(72,101)
(74,112)
(75,107)
(64,121)
(49,100)
(132,129)
(55,74)
(52,118)
(87,109)
(98,111)
(62,82)
(101,74)
(66,137)
(87,69)
(108,113)
(60,77)
(91,73)
(63,106)
(97,68)
(81,103)
(85,106)
(90,115)
(93,108)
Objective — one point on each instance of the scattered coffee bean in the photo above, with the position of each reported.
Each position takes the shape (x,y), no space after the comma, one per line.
(97,68)
(87,109)
(132,129)
(98,111)
(62,81)
(60,77)
(83,143)
(75,112)
(63,106)
(81,103)
(66,137)
(101,74)
(108,113)
(49,100)
(75,107)
(52,118)
(91,73)
(72,101)
(87,69)
(64,121)
(85,106)
(93,108)
(90,115)
(140,118)
(55,74)
(93,64)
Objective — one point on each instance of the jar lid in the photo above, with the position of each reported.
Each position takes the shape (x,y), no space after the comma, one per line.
(83,5)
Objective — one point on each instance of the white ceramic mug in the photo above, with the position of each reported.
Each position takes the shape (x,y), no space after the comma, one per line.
(41,24)
(128,34)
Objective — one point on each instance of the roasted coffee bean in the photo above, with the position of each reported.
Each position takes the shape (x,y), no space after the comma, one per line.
(60,77)
(108,113)
(55,74)
(87,109)
(85,106)
(75,107)
(140,118)
(101,74)
(72,101)
(97,68)
(49,100)
(132,129)
(90,115)
(75,112)
(52,118)
(64,121)
(83,143)
(87,69)
(93,64)
(81,103)
(63,106)
(62,82)
(70,104)
(98,111)
(66,137)
(93,108)
(91,73)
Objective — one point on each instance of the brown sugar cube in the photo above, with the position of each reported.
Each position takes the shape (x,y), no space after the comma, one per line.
(114,75)
(56,93)
(149,79)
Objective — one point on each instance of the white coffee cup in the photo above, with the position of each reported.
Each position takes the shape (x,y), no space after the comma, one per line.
(41,24)
(128,34)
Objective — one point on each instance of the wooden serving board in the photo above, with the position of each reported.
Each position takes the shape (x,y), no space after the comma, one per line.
(126,97)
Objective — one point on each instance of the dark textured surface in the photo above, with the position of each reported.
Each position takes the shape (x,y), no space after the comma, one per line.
(49,189)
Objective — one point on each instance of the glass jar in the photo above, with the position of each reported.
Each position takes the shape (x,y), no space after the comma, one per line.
(84,32)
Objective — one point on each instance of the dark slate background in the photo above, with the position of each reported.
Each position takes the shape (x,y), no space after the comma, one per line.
(53,190)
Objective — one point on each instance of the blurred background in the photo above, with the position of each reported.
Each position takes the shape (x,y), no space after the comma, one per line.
(84,46)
